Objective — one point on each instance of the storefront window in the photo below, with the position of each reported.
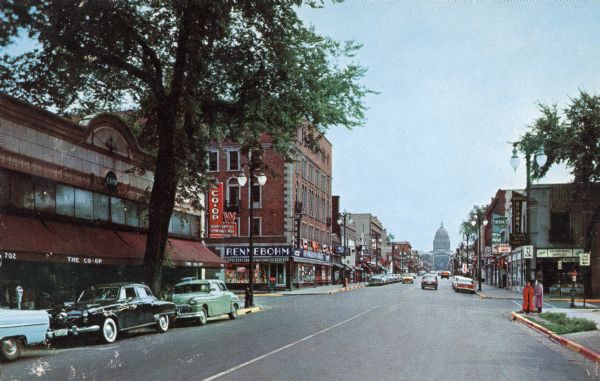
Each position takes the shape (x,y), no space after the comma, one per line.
(306,273)
(117,210)
(132,217)
(45,196)
(21,195)
(101,207)
(65,200)
(84,204)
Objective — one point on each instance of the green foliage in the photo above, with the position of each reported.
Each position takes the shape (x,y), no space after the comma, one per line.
(560,324)
(572,138)
(466,228)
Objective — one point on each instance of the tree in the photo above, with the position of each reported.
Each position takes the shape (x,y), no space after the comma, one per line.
(197,72)
(466,228)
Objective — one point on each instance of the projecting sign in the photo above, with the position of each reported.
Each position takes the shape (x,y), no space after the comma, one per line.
(560,265)
(528,252)
(500,221)
(584,259)
(496,238)
(501,248)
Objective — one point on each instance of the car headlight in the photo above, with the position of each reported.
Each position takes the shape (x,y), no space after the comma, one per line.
(62,317)
(192,301)
(85,315)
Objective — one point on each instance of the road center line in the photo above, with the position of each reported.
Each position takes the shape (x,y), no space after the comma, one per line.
(285,346)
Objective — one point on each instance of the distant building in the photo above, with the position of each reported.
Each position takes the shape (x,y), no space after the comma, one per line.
(441,249)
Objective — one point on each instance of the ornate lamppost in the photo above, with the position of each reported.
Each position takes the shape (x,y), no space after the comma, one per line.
(260,179)
(478,221)
(344,219)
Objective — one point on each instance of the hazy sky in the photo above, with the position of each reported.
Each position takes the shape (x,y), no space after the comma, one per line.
(456,81)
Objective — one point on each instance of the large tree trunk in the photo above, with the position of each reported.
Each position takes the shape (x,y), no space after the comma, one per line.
(162,199)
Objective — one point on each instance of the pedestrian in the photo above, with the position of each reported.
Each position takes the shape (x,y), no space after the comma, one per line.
(539,296)
(527,298)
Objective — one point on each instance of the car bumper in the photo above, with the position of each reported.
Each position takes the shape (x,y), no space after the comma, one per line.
(71,331)
(466,289)
(429,285)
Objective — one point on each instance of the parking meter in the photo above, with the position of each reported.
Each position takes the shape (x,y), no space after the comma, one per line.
(19,296)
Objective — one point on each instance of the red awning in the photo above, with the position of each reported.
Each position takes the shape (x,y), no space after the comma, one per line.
(40,240)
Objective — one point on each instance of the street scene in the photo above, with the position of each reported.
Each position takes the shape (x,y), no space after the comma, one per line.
(353,334)
(299,190)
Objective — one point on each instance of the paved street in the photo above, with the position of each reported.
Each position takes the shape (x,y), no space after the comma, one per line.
(387,333)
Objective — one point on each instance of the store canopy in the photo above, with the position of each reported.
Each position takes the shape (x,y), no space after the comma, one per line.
(40,240)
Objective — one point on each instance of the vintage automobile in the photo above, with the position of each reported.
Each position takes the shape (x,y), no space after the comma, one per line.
(407,278)
(465,284)
(19,328)
(107,309)
(200,299)
(429,281)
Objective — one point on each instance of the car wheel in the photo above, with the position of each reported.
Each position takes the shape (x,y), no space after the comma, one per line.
(162,325)
(10,349)
(435,288)
(233,313)
(109,330)
(204,315)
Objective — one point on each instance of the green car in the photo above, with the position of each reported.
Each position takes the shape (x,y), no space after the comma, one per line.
(200,299)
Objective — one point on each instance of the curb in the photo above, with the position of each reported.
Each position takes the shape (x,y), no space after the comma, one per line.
(578,348)
(484,296)
(269,294)
(345,289)
(246,311)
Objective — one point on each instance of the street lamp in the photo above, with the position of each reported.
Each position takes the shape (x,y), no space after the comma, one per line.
(261,178)
(478,221)
(377,241)
(344,219)
(540,159)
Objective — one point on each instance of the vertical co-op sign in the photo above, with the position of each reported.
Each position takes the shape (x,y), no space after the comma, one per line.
(220,224)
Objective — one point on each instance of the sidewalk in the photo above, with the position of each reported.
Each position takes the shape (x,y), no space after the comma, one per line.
(491,292)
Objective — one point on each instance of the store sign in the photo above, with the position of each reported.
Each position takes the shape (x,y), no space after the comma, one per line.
(193,264)
(258,251)
(584,259)
(542,253)
(340,250)
(215,204)
(560,265)
(528,252)
(312,255)
(501,248)
(500,221)
(84,260)
(221,224)
(517,210)
(496,238)
(558,253)
(518,239)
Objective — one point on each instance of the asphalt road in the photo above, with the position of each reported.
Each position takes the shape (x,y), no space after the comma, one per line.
(380,333)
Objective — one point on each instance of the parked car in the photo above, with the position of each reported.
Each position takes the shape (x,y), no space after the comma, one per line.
(455,280)
(200,299)
(429,281)
(19,328)
(465,284)
(445,274)
(407,278)
(376,280)
(107,309)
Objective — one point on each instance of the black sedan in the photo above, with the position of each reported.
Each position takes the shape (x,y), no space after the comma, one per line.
(430,281)
(107,309)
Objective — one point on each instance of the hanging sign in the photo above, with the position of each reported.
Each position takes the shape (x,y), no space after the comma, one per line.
(584,259)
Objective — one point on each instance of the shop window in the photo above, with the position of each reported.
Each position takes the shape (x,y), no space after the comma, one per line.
(84,204)
(560,227)
(101,207)
(144,216)
(45,196)
(21,192)
(213,161)
(117,210)
(65,200)
(233,160)
(132,218)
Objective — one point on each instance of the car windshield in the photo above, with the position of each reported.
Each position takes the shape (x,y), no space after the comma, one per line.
(429,278)
(191,288)
(98,294)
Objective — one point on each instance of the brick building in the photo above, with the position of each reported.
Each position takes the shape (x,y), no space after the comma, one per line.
(296,195)
(73,209)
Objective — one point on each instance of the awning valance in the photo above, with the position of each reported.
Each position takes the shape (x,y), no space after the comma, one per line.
(41,240)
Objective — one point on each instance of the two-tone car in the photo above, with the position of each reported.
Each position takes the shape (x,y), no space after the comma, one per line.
(107,309)
(19,328)
(200,299)
(465,284)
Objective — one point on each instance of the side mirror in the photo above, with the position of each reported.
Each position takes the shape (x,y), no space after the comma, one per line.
(129,299)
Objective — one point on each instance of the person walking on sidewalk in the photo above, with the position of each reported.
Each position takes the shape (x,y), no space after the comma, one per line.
(539,296)
(528,293)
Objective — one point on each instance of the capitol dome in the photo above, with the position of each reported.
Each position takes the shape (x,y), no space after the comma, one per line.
(441,242)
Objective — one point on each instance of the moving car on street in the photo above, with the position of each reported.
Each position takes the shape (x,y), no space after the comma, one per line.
(408,279)
(429,281)
(107,309)
(445,274)
(465,284)
(200,299)
(19,328)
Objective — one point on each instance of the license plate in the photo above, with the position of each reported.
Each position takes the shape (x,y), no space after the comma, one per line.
(61,332)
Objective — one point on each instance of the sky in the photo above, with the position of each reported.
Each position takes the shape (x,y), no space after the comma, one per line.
(456,81)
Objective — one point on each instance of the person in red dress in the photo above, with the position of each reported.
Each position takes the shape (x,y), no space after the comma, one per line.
(528,293)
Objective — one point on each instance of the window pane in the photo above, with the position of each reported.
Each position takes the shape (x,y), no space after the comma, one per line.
(195,226)
(117,209)
(256,193)
(45,196)
(233,160)
(21,195)
(131,213)
(101,207)
(65,200)
(144,216)
(84,204)
(186,224)
(213,161)
(176,223)
(256,226)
